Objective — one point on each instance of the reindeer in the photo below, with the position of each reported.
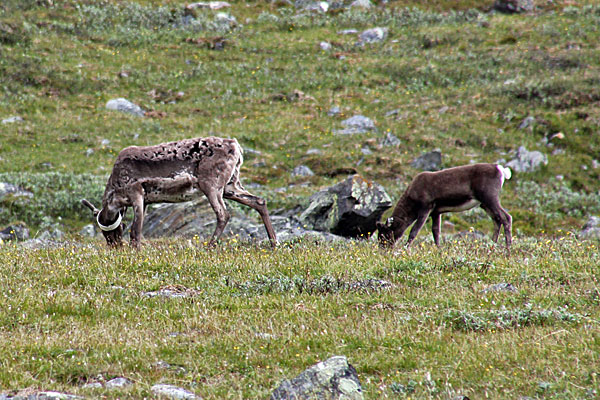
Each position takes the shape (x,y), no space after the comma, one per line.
(171,173)
(449,190)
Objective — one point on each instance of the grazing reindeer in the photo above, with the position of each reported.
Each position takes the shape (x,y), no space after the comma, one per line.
(450,190)
(171,173)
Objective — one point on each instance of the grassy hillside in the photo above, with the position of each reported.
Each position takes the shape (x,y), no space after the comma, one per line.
(421,323)
(461,81)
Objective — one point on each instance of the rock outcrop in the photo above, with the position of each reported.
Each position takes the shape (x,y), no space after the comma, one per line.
(332,379)
(350,208)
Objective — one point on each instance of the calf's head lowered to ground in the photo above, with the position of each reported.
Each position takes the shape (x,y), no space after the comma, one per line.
(171,173)
(449,190)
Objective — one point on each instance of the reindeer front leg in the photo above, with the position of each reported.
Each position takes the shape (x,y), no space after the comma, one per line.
(137,200)
(421,218)
(436,222)
(215,199)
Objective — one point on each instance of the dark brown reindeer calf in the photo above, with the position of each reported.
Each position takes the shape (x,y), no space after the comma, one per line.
(171,173)
(450,190)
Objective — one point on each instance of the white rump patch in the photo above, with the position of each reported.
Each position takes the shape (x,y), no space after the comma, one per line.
(505,173)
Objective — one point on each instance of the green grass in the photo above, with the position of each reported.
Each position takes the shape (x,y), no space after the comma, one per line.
(461,80)
(256,316)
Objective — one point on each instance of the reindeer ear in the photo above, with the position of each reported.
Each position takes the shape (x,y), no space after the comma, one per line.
(90,206)
(390,221)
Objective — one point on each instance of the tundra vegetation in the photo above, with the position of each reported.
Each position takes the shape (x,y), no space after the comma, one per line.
(463,319)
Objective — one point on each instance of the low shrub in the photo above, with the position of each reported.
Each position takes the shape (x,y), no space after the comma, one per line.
(55,196)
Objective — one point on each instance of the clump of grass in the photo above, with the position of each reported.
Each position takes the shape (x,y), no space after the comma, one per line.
(509,319)
(299,285)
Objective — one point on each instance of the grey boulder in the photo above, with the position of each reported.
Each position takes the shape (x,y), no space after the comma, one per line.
(330,379)
(350,208)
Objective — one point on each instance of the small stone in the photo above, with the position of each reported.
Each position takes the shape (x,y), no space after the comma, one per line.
(373,35)
(431,161)
(500,287)
(333,111)
(390,140)
(88,231)
(18,231)
(118,383)
(357,124)
(213,5)
(309,5)
(514,6)
(591,229)
(527,122)
(302,170)
(527,161)
(366,4)
(54,396)
(173,392)
(92,385)
(12,120)
(124,105)
(225,19)
(325,46)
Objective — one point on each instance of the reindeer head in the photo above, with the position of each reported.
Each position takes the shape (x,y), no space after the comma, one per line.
(385,233)
(113,232)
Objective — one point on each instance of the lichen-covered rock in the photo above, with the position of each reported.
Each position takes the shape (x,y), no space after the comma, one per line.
(27,395)
(500,287)
(125,106)
(12,120)
(118,383)
(431,161)
(514,6)
(591,229)
(373,35)
(330,379)
(350,208)
(8,190)
(527,161)
(357,124)
(18,231)
(172,392)
(302,170)
(197,219)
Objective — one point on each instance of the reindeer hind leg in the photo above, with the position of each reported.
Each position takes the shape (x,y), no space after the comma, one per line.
(502,219)
(236,192)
